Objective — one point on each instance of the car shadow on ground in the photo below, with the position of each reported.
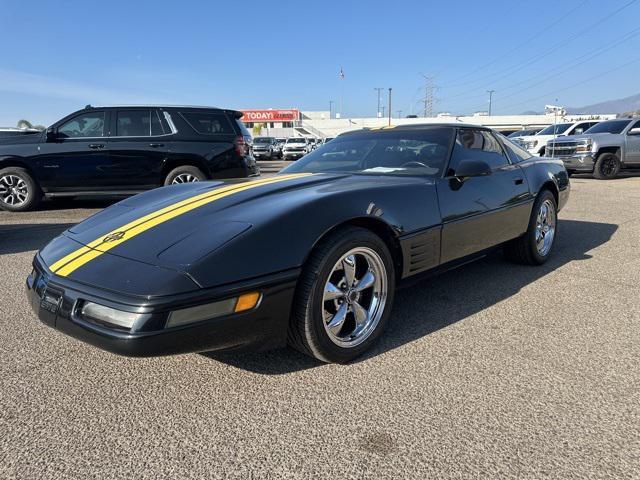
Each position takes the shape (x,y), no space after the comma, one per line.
(443,300)
(25,237)
(76,204)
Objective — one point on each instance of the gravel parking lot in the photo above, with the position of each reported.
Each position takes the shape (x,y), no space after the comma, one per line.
(492,370)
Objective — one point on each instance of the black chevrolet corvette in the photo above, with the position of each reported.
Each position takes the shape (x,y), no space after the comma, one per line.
(310,257)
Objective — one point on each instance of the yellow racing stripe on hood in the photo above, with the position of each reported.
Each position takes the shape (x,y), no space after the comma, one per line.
(71,262)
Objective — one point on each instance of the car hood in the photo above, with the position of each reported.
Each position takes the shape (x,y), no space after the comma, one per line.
(217,233)
(171,227)
(20,139)
(592,136)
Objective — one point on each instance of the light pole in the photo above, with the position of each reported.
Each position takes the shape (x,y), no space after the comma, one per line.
(490,92)
(389,109)
(378,89)
(399,113)
(382,108)
(330,110)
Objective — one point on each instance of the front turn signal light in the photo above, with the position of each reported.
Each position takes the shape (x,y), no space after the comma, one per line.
(247,301)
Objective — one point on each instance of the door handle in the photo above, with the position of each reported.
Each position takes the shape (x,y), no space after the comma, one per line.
(156,145)
(96,146)
(518,181)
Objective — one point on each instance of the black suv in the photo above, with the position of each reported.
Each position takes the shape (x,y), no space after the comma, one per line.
(123,151)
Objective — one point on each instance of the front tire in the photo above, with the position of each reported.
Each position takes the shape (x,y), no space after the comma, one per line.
(344,296)
(19,192)
(536,245)
(184,174)
(607,166)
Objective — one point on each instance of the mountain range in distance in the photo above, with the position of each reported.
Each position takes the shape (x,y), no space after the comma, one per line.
(620,105)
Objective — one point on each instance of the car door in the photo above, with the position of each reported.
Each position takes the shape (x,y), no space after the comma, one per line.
(75,154)
(483,211)
(632,145)
(138,148)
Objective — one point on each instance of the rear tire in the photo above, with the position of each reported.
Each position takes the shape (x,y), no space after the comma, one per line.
(607,166)
(344,296)
(536,245)
(19,192)
(184,174)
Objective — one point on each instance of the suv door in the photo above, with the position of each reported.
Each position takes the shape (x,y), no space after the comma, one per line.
(632,145)
(138,148)
(77,155)
(480,212)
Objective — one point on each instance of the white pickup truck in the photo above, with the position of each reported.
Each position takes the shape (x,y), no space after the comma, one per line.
(536,144)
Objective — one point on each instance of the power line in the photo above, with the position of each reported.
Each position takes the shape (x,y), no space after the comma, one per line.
(555,92)
(575,63)
(520,45)
(519,66)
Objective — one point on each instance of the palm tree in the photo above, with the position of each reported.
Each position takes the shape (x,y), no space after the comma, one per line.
(27,124)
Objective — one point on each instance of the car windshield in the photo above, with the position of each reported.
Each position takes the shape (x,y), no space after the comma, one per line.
(555,129)
(614,126)
(408,152)
(295,140)
(262,140)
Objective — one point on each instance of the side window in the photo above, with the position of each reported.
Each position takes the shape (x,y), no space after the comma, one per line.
(133,123)
(516,153)
(479,145)
(156,124)
(90,124)
(208,123)
(580,129)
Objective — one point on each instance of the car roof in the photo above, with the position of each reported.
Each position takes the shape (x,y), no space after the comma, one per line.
(236,113)
(416,126)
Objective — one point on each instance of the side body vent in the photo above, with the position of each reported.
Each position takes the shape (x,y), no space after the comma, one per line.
(420,251)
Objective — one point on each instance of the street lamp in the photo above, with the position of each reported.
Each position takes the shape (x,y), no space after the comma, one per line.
(331,102)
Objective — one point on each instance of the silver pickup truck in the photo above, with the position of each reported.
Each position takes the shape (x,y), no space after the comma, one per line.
(603,150)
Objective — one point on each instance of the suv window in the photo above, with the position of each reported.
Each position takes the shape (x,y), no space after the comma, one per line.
(478,145)
(133,123)
(90,124)
(208,123)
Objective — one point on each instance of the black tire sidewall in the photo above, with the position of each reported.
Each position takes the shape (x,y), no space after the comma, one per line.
(531,231)
(195,171)
(315,323)
(601,159)
(33,190)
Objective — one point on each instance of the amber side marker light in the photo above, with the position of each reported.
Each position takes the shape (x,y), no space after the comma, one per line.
(247,301)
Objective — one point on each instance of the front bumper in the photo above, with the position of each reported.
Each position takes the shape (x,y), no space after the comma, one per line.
(56,301)
(290,154)
(583,162)
(262,153)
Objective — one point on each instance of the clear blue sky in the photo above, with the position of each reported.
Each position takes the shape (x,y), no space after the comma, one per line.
(59,56)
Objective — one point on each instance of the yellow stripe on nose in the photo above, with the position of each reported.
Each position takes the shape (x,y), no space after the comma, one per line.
(97,247)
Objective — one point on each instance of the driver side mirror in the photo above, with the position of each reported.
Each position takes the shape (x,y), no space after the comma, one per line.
(51,134)
(472,168)
(634,131)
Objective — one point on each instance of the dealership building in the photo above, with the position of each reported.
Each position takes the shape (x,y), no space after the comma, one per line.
(294,122)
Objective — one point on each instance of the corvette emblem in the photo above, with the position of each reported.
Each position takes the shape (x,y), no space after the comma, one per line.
(112,237)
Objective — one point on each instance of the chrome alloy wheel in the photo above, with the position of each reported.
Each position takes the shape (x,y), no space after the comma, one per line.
(545,227)
(354,297)
(13,190)
(184,178)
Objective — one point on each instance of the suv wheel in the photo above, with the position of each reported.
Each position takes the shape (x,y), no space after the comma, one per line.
(18,190)
(344,296)
(607,166)
(184,174)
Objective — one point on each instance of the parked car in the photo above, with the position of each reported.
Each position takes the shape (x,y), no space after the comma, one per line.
(265,147)
(123,151)
(525,132)
(279,144)
(537,143)
(295,147)
(603,150)
(177,270)
(6,132)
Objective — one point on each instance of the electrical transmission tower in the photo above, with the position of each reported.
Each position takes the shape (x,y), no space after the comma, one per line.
(429,95)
